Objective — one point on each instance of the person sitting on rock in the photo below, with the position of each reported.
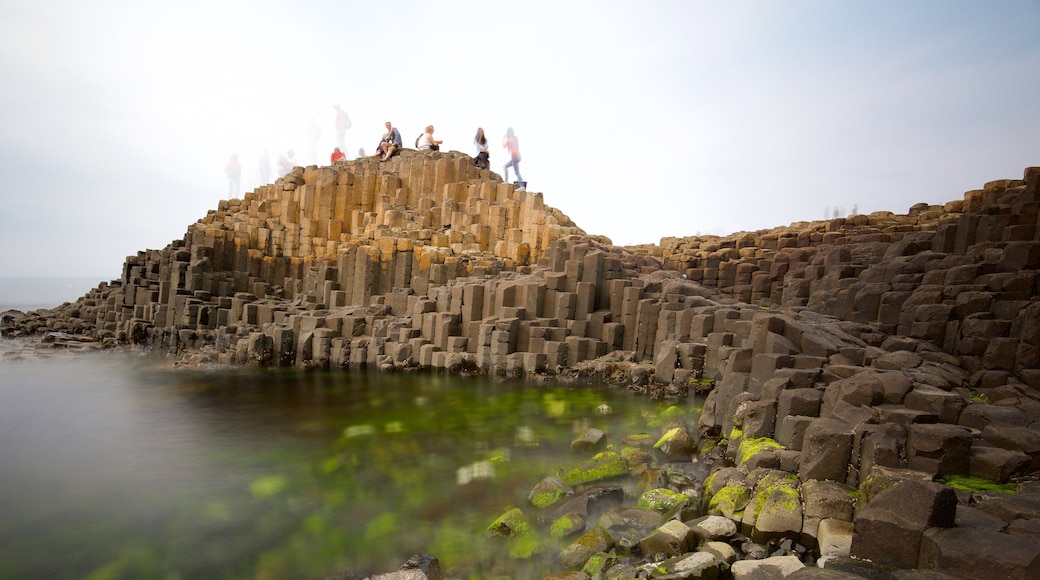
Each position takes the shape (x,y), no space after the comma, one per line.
(337,155)
(481,143)
(390,143)
(426,141)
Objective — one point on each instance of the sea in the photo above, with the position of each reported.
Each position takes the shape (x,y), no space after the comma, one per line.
(118,464)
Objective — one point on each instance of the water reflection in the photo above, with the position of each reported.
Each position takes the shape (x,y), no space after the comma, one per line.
(113,466)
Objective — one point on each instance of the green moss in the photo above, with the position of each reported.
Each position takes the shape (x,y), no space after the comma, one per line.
(735,434)
(729,500)
(672,412)
(598,563)
(751,447)
(709,481)
(546,498)
(977,397)
(978,485)
(525,546)
(671,433)
(267,486)
(602,466)
(513,523)
(564,526)
(661,499)
(789,500)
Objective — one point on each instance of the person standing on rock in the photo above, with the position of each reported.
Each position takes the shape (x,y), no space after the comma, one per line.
(234,175)
(265,168)
(480,142)
(286,162)
(390,142)
(511,143)
(342,124)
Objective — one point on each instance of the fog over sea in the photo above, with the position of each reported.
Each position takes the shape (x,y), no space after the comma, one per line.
(27,294)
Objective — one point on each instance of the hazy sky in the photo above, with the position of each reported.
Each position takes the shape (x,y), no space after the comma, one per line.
(637,119)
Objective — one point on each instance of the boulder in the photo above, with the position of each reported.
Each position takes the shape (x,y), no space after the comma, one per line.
(671,539)
(548,491)
(939,449)
(575,555)
(418,567)
(773,568)
(834,537)
(588,440)
(980,553)
(701,565)
(712,528)
(826,450)
(888,531)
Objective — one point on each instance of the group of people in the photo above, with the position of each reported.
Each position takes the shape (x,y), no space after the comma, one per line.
(391,143)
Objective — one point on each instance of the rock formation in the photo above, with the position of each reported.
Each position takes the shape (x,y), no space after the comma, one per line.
(851,364)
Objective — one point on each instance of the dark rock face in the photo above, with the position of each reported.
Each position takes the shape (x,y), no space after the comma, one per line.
(830,351)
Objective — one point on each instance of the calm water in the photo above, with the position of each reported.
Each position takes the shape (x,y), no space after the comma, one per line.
(27,294)
(114,467)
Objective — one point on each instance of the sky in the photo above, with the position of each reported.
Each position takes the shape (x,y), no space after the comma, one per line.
(639,120)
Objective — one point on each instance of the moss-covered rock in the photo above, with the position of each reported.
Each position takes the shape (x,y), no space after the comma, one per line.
(575,555)
(598,563)
(753,446)
(730,501)
(661,500)
(548,491)
(676,443)
(566,525)
(978,484)
(513,523)
(602,466)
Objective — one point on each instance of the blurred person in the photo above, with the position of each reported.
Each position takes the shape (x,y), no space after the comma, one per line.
(265,168)
(337,155)
(286,162)
(426,140)
(480,142)
(234,175)
(390,142)
(342,124)
(313,134)
(360,152)
(511,143)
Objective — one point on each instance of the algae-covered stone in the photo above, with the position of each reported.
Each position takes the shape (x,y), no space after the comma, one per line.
(567,524)
(702,565)
(602,466)
(636,455)
(548,491)
(661,499)
(775,511)
(730,501)
(579,551)
(514,526)
(676,443)
(598,563)
(750,447)
(588,440)
(511,524)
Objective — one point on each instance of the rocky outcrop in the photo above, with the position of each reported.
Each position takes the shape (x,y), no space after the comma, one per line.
(850,364)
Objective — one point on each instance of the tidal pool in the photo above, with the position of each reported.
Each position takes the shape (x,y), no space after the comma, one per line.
(113,467)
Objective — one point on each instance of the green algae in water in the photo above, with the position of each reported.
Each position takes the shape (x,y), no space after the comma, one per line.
(978,484)
(311,474)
